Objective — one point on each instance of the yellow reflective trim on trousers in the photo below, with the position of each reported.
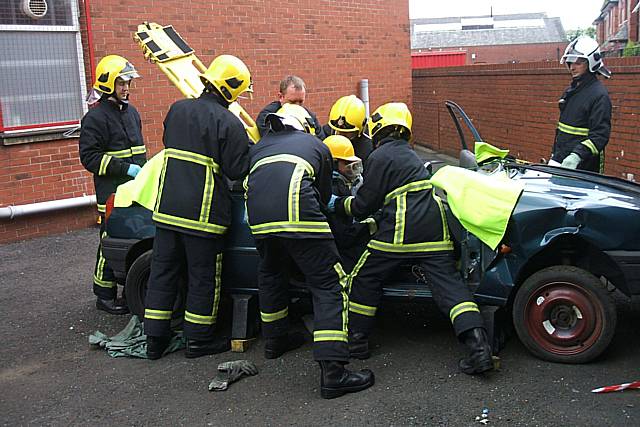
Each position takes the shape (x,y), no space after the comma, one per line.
(412,186)
(188,223)
(272,317)
(443,217)
(294,193)
(401,211)
(329,335)
(192,157)
(347,205)
(591,146)
(572,129)
(207,196)
(104,163)
(411,247)
(357,267)
(288,158)
(292,227)
(463,307)
(102,208)
(210,319)
(365,310)
(157,314)
(343,279)
(99,273)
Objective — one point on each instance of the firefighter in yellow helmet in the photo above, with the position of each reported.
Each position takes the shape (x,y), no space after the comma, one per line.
(205,144)
(111,148)
(289,184)
(412,228)
(348,118)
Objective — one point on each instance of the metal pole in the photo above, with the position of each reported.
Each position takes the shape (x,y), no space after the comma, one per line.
(11,212)
(364,94)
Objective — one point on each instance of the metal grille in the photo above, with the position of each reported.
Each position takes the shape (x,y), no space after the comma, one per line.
(41,65)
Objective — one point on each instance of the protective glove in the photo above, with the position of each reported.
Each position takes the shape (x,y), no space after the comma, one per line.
(331,206)
(571,161)
(554,163)
(231,372)
(133,170)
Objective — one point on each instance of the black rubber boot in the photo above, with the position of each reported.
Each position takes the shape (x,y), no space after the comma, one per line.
(336,381)
(276,347)
(112,306)
(479,360)
(203,348)
(156,346)
(359,346)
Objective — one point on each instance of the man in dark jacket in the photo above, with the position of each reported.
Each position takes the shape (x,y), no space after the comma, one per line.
(289,183)
(412,227)
(112,149)
(292,91)
(204,143)
(585,110)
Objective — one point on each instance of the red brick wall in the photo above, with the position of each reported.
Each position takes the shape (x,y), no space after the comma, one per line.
(501,54)
(514,106)
(331,44)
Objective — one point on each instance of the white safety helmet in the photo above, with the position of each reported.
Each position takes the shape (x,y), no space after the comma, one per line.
(587,48)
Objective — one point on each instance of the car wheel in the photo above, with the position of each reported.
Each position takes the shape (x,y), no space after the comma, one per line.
(136,289)
(564,314)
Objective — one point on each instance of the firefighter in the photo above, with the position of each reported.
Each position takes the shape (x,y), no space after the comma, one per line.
(412,227)
(347,118)
(111,148)
(292,91)
(585,110)
(289,181)
(204,143)
(351,236)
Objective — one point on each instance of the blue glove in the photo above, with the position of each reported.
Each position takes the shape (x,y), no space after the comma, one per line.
(571,161)
(133,170)
(331,206)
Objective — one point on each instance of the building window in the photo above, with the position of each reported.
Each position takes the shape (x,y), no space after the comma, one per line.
(41,67)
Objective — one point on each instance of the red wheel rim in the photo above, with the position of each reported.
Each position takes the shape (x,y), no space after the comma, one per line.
(564,318)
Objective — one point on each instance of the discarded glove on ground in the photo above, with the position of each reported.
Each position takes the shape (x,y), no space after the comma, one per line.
(230,372)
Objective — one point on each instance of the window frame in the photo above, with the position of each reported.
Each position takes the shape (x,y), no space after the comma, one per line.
(13,134)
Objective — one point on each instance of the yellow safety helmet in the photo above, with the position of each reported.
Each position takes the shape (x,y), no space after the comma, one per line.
(394,114)
(347,114)
(341,148)
(109,69)
(229,75)
(293,115)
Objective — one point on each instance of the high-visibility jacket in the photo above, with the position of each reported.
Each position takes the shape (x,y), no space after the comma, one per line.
(585,122)
(412,221)
(288,186)
(203,142)
(110,141)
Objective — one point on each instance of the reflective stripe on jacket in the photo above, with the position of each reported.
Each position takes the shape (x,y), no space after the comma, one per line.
(203,142)
(412,220)
(289,180)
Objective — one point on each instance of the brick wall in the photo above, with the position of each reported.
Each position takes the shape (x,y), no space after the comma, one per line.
(331,44)
(501,54)
(514,106)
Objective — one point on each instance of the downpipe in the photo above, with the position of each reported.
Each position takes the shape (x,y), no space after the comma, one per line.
(11,212)
(364,95)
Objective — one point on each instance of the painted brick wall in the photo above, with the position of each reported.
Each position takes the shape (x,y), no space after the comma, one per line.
(501,54)
(514,106)
(331,44)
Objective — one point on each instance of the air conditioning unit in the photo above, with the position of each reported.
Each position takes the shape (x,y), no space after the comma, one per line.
(35,9)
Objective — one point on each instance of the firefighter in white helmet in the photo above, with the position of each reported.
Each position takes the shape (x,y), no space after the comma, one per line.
(112,149)
(585,110)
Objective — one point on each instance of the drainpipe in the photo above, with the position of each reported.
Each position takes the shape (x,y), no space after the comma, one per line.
(11,212)
(364,95)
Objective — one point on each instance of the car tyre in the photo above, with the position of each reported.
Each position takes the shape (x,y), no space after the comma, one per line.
(136,290)
(564,314)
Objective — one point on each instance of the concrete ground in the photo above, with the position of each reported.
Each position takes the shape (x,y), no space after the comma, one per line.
(49,376)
